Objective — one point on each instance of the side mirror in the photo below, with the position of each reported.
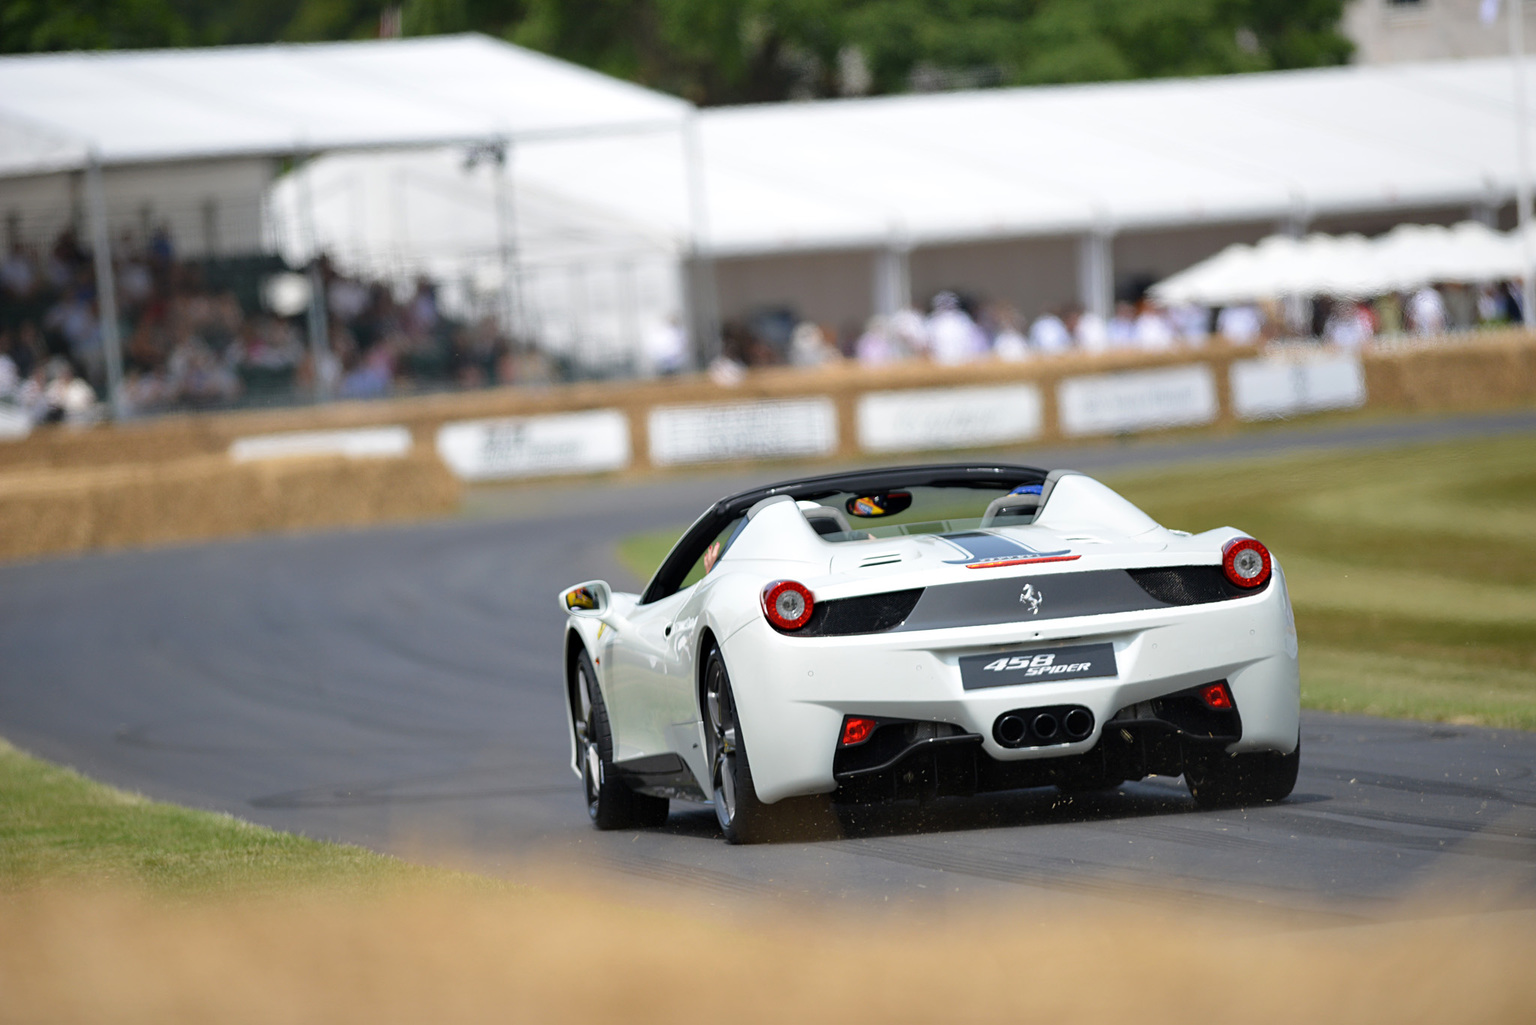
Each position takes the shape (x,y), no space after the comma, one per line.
(593,598)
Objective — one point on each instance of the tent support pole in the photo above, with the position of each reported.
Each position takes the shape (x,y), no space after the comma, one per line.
(319,327)
(106,287)
(702,300)
(893,278)
(504,193)
(1523,163)
(1096,273)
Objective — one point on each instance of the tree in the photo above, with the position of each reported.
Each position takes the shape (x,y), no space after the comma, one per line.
(745,51)
(29,26)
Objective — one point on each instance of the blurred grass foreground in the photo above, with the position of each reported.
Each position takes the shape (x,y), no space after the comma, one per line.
(117,909)
(1412,570)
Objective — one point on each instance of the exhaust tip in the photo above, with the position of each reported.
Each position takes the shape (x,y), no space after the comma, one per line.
(1078,723)
(1010,729)
(1045,726)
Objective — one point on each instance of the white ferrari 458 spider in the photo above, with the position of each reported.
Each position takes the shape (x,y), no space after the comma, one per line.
(930,630)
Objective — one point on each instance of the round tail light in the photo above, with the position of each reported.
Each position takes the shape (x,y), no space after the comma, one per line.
(1245,562)
(787,604)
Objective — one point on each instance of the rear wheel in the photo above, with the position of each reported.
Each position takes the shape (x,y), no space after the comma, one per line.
(1224,780)
(610,803)
(742,817)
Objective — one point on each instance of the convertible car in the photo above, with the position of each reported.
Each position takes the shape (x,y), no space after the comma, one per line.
(924,631)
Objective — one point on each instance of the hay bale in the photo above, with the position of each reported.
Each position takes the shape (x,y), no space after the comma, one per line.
(46,511)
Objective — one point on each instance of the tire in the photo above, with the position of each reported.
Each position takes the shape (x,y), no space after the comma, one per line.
(743,818)
(1232,781)
(610,802)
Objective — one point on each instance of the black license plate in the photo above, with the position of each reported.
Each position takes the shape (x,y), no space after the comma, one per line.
(1040,665)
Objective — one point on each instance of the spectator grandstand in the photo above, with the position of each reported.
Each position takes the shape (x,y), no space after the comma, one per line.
(198,334)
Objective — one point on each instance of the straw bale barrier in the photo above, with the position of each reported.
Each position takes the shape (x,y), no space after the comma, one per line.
(171,478)
(206,496)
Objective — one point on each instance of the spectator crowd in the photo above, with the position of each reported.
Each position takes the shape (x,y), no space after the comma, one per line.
(957,329)
(196,334)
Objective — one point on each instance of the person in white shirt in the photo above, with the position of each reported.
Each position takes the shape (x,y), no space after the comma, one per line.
(1049,335)
(875,347)
(1426,312)
(1090,332)
(952,334)
(808,346)
(1349,325)
(68,394)
(666,347)
(908,332)
(1191,323)
(1153,332)
(1121,332)
(1010,345)
(10,374)
(1240,324)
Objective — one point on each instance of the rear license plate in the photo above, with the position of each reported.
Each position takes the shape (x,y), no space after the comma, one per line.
(1040,665)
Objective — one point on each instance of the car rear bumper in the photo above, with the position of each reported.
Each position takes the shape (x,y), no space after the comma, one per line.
(794,692)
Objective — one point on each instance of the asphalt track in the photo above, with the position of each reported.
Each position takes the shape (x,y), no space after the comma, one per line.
(398,688)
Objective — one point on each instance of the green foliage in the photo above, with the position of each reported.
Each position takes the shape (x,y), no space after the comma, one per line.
(745,51)
(39,25)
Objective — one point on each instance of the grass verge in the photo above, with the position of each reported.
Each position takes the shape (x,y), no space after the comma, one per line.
(1412,570)
(57,825)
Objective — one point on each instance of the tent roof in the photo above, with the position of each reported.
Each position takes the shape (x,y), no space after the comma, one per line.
(1407,257)
(1045,160)
(175,105)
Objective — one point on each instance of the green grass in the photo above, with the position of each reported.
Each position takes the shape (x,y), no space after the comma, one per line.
(642,553)
(56,824)
(1412,570)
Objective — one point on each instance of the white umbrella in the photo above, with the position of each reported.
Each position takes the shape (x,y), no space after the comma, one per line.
(1405,258)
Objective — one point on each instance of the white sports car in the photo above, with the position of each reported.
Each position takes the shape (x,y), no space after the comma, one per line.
(924,631)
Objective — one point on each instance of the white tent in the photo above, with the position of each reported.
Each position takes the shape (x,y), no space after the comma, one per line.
(160,106)
(886,175)
(588,283)
(236,111)
(1071,159)
(1350,266)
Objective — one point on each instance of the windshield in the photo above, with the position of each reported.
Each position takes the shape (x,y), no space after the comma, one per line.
(932,510)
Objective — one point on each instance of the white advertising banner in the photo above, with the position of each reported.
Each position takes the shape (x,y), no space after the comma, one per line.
(364,443)
(1264,389)
(536,446)
(743,430)
(909,421)
(1137,400)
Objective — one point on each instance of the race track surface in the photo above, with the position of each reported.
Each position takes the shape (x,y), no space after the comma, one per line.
(399,688)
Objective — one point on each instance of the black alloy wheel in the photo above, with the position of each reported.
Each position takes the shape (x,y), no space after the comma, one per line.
(610,803)
(742,817)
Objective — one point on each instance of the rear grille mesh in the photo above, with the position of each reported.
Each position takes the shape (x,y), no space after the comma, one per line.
(866,614)
(1189,585)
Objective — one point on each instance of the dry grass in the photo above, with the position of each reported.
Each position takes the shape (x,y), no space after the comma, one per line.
(448,955)
(116,909)
(54,510)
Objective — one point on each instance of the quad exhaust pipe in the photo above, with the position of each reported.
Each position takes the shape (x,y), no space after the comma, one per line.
(1037,727)
(1011,730)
